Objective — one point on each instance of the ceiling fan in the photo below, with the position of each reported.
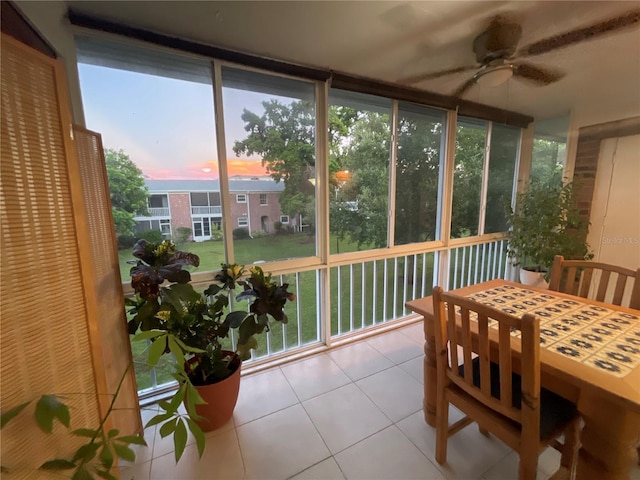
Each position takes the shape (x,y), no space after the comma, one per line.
(499,58)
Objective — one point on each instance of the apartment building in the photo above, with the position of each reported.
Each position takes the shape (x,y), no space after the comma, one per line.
(197,204)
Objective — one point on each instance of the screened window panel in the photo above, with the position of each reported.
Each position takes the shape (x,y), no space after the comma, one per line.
(420,157)
(270,133)
(505,145)
(471,137)
(359,153)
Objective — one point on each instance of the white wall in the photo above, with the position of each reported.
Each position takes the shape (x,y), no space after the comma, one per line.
(614,234)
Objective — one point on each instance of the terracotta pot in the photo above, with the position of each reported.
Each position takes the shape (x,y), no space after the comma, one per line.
(221,398)
(533,279)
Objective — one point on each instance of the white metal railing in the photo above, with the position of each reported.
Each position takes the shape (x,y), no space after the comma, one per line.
(364,293)
(210,210)
(470,264)
(159,212)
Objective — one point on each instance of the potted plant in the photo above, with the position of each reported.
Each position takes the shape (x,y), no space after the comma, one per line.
(193,326)
(545,223)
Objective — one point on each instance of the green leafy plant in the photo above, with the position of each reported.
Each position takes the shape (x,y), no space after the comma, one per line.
(191,326)
(546,223)
(96,457)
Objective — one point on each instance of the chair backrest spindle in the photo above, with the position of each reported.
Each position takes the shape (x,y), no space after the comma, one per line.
(597,281)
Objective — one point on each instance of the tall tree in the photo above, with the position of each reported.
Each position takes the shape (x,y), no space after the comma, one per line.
(284,136)
(359,208)
(128,191)
(467,183)
(417,178)
(547,161)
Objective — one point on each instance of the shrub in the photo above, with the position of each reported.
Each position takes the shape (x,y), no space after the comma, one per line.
(151,236)
(126,242)
(182,235)
(216,233)
(240,233)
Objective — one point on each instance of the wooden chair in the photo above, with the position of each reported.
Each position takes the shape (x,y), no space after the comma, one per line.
(511,406)
(596,281)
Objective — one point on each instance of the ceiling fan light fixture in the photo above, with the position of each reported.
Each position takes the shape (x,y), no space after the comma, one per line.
(494,76)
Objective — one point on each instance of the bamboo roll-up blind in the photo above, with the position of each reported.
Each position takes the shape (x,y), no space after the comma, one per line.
(45,341)
(111,339)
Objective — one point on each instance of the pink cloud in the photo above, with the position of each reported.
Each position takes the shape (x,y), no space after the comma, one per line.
(206,170)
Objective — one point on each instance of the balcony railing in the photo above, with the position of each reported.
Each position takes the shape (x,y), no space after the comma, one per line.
(365,294)
(159,212)
(211,210)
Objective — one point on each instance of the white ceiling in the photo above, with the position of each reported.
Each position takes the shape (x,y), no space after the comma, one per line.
(388,40)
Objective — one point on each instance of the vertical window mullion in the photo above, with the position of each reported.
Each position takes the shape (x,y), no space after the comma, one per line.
(225,198)
(485,180)
(393,154)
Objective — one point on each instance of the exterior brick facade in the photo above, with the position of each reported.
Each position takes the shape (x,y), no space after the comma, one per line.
(258,209)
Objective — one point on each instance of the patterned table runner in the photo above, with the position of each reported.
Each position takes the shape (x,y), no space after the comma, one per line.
(597,336)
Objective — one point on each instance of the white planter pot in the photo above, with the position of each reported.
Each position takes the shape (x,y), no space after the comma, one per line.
(533,279)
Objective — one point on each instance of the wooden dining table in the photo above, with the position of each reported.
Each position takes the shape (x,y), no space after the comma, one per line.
(590,354)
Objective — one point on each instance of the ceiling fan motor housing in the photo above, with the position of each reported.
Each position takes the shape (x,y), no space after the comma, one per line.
(500,40)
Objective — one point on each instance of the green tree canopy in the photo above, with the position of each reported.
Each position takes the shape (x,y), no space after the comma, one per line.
(127,188)
(284,136)
(359,142)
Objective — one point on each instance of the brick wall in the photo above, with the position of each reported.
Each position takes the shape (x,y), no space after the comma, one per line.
(180,205)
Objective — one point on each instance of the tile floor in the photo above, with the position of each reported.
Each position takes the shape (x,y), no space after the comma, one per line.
(352,413)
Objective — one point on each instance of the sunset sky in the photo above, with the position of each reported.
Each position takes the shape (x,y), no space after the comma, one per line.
(166,126)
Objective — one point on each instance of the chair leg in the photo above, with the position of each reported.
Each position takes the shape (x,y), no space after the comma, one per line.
(442,427)
(483,431)
(528,466)
(569,458)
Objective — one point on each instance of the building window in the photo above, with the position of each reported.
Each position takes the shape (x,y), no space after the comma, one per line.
(243,221)
(165,228)
(263,199)
(284,219)
(241,198)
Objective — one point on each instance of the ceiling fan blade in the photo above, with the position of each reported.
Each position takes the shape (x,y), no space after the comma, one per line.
(428,76)
(538,75)
(586,33)
(503,36)
(465,86)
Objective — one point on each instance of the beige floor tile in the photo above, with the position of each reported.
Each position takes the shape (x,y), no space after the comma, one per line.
(360,360)
(325,470)
(415,331)
(507,469)
(138,471)
(280,445)
(314,376)
(345,416)
(386,455)
(469,453)
(262,394)
(394,391)
(396,346)
(415,368)
(221,460)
